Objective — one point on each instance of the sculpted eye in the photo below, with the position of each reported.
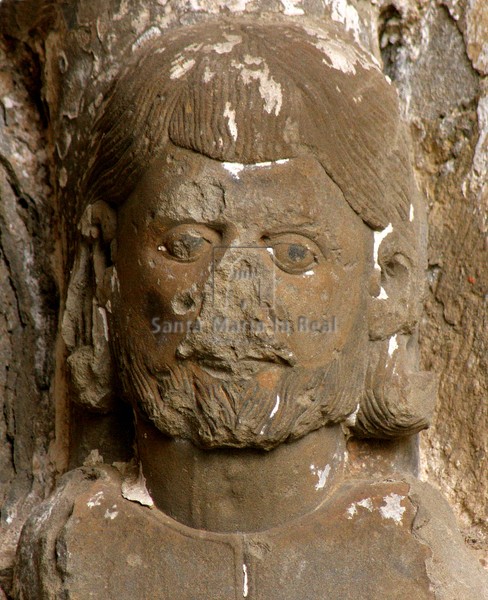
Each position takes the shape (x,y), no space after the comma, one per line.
(188,243)
(293,253)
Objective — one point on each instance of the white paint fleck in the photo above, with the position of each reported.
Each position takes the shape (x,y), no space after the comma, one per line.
(111,513)
(233,168)
(411,215)
(366,503)
(393,508)
(270,250)
(236,168)
(208,75)
(9,519)
(231,120)
(339,62)
(291,9)
(245,584)
(392,345)
(269,163)
(269,89)
(379,236)
(226,47)
(344,13)
(276,407)
(251,60)
(151,33)
(95,500)
(180,66)
(351,419)
(309,273)
(342,57)
(383,295)
(322,475)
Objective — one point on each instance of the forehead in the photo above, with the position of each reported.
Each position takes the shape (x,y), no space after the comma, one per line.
(182,185)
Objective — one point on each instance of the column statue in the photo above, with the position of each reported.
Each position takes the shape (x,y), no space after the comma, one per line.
(258,257)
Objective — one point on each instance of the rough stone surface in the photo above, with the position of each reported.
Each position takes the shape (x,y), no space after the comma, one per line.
(28,298)
(328,553)
(436,54)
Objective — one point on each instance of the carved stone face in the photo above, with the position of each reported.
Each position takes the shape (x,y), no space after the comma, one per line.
(251,280)
(240,315)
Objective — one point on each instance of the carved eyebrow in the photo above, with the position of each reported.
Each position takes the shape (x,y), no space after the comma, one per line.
(199,202)
(315,231)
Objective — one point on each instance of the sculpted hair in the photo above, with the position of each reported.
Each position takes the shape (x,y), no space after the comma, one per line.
(252,93)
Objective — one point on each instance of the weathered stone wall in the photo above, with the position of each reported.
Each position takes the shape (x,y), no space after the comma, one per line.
(28,297)
(436,53)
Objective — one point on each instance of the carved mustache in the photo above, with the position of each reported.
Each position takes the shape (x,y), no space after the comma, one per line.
(228,358)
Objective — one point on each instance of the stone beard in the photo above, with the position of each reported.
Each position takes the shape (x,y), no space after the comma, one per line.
(185,401)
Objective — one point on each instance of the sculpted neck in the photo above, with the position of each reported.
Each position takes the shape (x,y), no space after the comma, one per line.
(239,490)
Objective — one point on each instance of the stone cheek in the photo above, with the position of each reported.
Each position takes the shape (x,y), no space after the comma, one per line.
(357,545)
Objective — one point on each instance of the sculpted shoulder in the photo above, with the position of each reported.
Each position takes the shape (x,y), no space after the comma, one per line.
(88,539)
(40,551)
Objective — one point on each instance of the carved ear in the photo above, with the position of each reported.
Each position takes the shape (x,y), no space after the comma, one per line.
(85,324)
(396,299)
(105,217)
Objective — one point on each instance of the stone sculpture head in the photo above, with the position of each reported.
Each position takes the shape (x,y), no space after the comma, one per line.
(275,151)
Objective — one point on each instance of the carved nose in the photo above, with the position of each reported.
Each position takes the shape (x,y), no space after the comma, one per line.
(238,311)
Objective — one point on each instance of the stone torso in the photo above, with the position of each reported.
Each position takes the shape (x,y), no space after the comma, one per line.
(358,544)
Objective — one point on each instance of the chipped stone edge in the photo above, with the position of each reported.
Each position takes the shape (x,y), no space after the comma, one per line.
(134,489)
